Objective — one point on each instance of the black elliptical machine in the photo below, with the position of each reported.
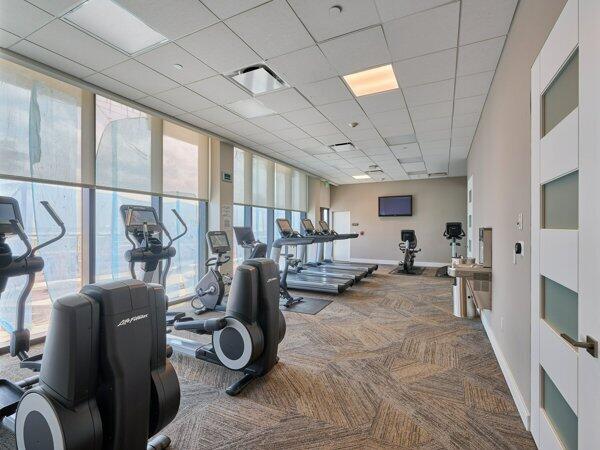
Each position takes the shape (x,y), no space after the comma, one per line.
(104,368)
(408,246)
(210,290)
(247,337)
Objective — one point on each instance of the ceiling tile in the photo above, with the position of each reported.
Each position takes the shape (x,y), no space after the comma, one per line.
(479,57)
(220,48)
(346,112)
(306,143)
(22,18)
(469,105)
(465,120)
(291,134)
(388,131)
(395,117)
(227,8)
(264,138)
(332,139)
(437,135)
(414,167)
(429,93)
(71,43)
(7,39)
(164,58)
(115,86)
(435,147)
(377,151)
(462,132)
(143,78)
(316,15)
(475,84)
(426,69)
(271,29)
(159,105)
(185,99)
(219,90)
(321,149)
(352,154)
(49,58)
(320,129)
(406,150)
(364,144)
(326,91)
(394,9)
(55,7)
(357,51)
(302,66)
(431,111)
(272,123)
(284,101)
(218,115)
(443,123)
(306,116)
(426,32)
(384,101)
(172,18)
(243,127)
(485,19)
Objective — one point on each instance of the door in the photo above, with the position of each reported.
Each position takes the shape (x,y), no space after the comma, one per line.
(341,224)
(470,217)
(565,399)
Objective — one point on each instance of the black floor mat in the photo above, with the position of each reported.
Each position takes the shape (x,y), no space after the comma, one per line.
(416,271)
(308,305)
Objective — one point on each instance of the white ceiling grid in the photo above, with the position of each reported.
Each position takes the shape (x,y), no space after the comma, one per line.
(444,54)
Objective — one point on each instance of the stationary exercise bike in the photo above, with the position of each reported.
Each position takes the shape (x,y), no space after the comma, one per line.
(104,382)
(247,337)
(408,246)
(454,232)
(210,290)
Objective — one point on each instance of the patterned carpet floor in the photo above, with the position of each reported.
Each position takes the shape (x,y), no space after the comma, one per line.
(386,365)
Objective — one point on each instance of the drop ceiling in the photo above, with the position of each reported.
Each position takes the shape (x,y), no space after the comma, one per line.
(444,55)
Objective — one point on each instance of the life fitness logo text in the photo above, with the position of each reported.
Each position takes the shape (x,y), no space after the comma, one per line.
(131,320)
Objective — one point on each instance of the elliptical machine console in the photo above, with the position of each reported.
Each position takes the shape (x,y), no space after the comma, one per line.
(210,290)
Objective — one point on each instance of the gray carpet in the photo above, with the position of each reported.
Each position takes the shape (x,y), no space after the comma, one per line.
(386,365)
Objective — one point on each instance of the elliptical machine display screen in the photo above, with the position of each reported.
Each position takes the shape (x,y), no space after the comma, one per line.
(8,211)
(139,217)
(218,242)
(135,216)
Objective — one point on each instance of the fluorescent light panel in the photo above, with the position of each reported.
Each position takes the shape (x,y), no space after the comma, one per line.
(114,25)
(250,108)
(361,177)
(372,81)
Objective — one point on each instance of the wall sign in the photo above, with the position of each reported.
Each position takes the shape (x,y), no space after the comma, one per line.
(226,177)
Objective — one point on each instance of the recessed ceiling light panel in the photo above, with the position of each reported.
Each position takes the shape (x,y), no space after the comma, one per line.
(250,108)
(114,25)
(372,81)
(258,79)
(361,177)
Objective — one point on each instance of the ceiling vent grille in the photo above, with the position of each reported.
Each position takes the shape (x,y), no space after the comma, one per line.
(343,147)
(258,79)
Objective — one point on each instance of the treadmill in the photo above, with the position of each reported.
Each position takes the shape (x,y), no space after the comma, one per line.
(298,279)
(360,270)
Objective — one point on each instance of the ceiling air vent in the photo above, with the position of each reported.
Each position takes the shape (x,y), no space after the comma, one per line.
(413,159)
(342,147)
(258,79)
(418,172)
(374,172)
(438,174)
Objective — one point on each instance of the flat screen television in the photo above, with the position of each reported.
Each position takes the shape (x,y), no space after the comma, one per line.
(395,206)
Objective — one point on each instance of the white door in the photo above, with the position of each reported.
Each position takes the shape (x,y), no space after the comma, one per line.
(565,243)
(470,217)
(341,224)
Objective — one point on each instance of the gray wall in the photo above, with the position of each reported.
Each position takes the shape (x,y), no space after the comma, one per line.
(500,163)
(435,202)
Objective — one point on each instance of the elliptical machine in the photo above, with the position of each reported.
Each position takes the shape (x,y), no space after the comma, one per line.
(245,237)
(91,393)
(408,246)
(210,290)
(247,337)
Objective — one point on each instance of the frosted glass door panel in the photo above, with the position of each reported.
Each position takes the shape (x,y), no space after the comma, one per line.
(561,203)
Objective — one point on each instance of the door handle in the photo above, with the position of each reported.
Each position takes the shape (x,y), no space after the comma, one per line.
(590,344)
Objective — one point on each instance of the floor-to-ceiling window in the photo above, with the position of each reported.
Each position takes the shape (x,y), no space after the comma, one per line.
(259,224)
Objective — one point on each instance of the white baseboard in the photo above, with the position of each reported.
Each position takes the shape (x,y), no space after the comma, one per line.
(394,262)
(508,375)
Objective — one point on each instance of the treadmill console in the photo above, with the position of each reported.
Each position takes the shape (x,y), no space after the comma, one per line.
(308,227)
(285,228)
(324,226)
(9,212)
(218,242)
(137,217)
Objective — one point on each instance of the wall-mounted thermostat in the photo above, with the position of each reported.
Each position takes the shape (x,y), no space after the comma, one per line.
(226,177)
